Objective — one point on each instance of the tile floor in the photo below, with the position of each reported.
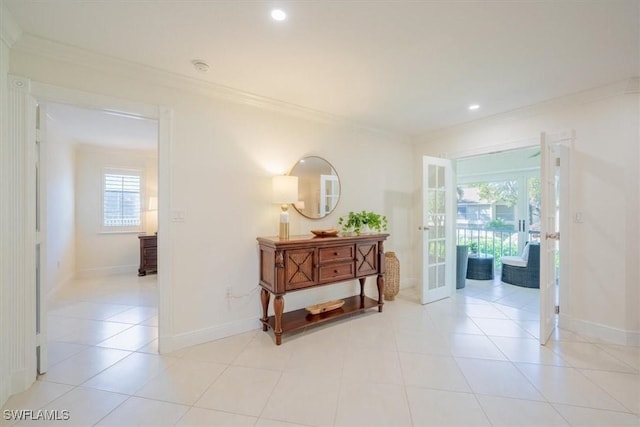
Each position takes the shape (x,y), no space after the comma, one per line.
(468,360)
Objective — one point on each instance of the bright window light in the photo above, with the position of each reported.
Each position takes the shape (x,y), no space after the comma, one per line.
(278,15)
(473,107)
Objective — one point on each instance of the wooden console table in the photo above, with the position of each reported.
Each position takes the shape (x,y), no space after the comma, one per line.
(304,262)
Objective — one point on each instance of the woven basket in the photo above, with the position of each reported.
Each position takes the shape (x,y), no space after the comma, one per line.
(391,276)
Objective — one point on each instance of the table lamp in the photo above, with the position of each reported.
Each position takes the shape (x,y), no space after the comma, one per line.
(285,191)
(152,213)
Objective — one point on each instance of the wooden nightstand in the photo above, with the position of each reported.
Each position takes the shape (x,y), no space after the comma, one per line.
(148,254)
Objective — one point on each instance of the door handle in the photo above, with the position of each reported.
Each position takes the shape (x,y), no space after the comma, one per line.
(424,228)
(552,236)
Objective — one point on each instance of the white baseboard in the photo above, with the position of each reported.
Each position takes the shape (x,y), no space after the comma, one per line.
(4,391)
(15,382)
(107,271)
(602,332)
(408,283)
(59,286)
(213,333)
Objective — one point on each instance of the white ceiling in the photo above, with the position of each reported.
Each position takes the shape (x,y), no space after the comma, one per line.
(110,129)
(404,66)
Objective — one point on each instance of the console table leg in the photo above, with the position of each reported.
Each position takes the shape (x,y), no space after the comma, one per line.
(380,283)
(265,296)
(278,308)
(362,281)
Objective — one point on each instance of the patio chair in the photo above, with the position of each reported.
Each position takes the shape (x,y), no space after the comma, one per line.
(523,270)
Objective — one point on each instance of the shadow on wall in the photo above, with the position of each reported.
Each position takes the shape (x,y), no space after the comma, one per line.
(398,209)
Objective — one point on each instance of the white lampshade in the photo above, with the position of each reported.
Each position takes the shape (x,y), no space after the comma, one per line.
(153,204)
(285,189)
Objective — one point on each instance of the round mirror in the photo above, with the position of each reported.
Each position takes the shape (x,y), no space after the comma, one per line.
(318,187)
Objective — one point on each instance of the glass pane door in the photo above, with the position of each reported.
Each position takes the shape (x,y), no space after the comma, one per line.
(437,230)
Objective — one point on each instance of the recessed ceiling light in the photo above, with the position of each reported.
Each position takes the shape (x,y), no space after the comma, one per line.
(278,14)
(474,107)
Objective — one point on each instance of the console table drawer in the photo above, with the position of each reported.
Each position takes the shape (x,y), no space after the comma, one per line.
(336,253)
(332,273)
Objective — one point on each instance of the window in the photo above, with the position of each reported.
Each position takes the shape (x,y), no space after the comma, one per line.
(121,200)
(505,213)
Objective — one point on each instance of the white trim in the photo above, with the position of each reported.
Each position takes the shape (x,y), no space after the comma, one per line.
(10,31)
(78,98)
(60,285)
(533,141)
(52,93)
(595,330)
(165,250)
(34,45)
(212,333)
(20,239)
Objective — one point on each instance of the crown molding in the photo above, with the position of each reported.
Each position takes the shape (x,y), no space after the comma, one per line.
(34,45)
(627,86)
(10,31)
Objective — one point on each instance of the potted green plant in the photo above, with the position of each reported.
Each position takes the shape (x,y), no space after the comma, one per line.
(359,222)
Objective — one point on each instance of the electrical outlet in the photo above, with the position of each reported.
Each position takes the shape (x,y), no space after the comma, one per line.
(229,294)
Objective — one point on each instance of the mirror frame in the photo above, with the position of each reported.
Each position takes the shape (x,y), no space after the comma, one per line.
(292,172)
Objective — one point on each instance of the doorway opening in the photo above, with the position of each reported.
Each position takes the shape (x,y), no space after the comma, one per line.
(498,220)
(99,192)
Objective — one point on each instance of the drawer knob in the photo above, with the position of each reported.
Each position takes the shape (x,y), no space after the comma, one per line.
(335,254)
(335,271)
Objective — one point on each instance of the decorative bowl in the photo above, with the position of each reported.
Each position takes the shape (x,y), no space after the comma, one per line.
(330,232)
(325,306)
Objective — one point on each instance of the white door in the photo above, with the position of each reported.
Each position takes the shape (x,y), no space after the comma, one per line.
(553,219)
(438,229)
(41,259)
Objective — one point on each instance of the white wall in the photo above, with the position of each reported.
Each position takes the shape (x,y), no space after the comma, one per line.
(5,246)
(60,205)
(222,157)
(99,252)
(603,296)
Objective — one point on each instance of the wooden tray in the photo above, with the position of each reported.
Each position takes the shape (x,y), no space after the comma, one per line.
(325,306)
(331,232)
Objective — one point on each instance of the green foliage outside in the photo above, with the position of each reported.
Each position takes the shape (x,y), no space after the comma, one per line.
(496,245)
(505,192)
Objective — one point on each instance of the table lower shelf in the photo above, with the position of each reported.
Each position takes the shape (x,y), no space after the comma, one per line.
(299,319)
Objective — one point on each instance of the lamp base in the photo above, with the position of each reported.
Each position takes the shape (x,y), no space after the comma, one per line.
(284,222)
(284,231)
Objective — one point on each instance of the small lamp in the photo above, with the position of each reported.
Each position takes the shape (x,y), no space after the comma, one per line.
(152,215)
(285,191)
(153,204)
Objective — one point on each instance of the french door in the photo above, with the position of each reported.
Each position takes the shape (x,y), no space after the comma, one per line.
(556,150)
(438,229)
(41,252)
